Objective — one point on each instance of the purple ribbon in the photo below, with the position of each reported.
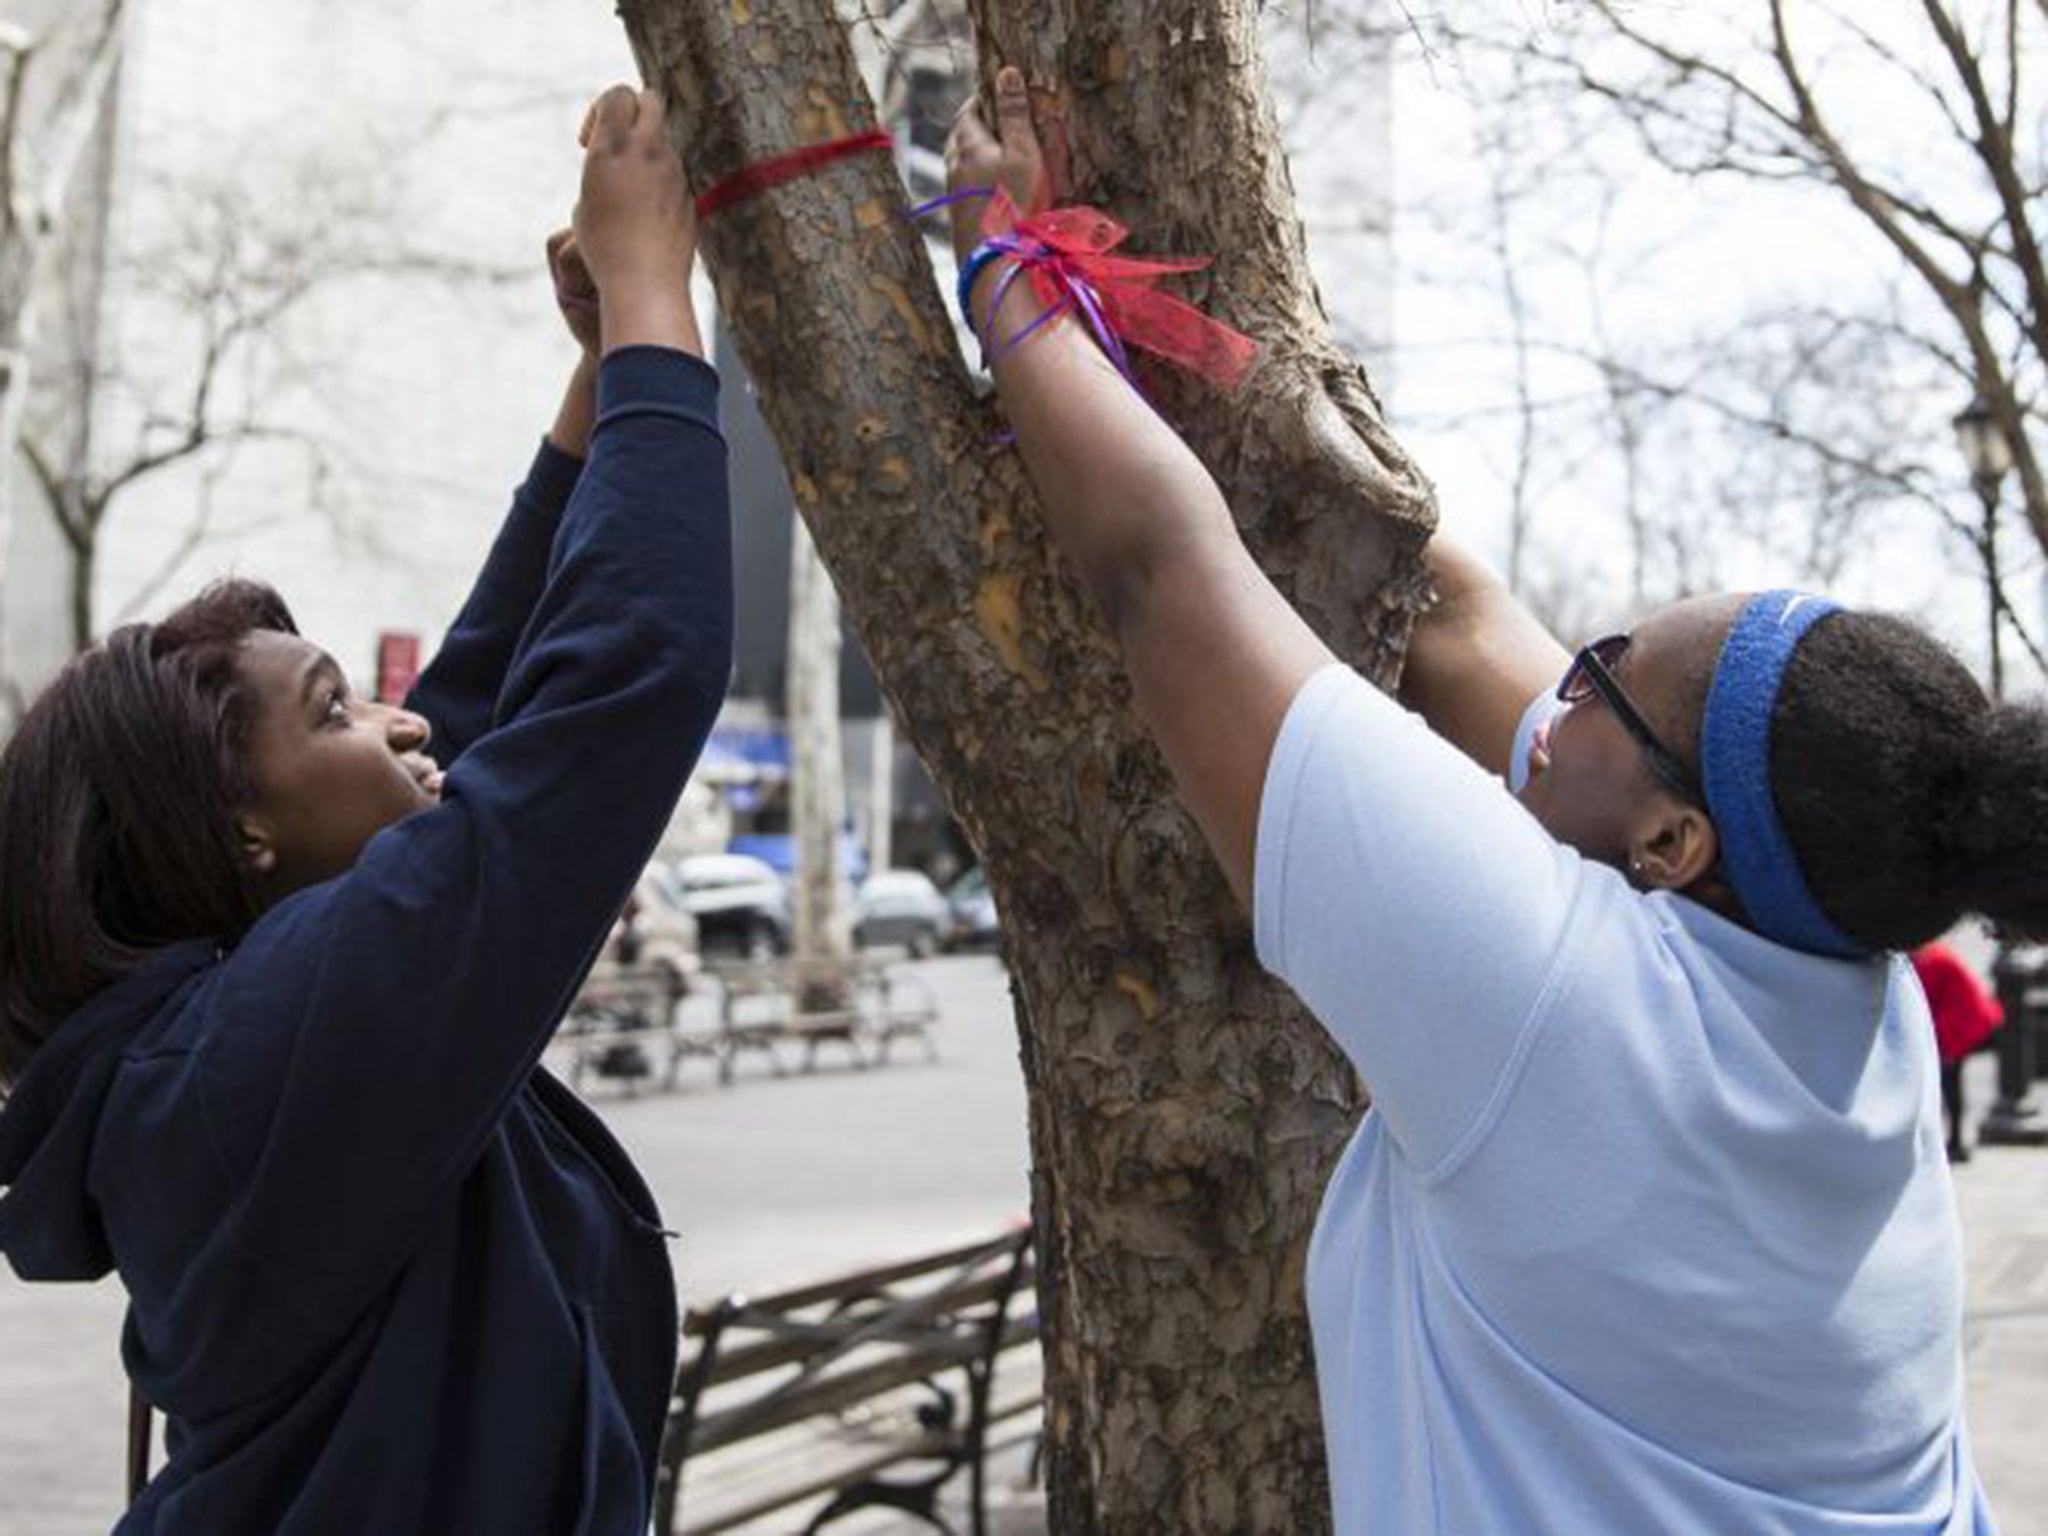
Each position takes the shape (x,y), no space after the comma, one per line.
(1076,292)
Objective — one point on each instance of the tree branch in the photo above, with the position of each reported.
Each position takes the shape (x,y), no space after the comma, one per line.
(21,55)
(2010,118)
(57,492)
(81,101)
(1993,147)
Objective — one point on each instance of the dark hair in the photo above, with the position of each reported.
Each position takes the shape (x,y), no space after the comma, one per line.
(118,795)
(1911,799)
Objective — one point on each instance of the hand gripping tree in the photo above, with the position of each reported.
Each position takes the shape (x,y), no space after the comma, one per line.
(1184,1110)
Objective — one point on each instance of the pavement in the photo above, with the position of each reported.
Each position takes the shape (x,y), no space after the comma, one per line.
(776,1178)
(2002,1199)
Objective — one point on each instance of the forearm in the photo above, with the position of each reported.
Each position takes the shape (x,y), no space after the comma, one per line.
(1122,494)
(1477,658)
(1214,653)
(578,412)
(425,983)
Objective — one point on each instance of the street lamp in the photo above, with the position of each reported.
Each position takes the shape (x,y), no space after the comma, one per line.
(1982,440)
(1988,455)
(2012,1121)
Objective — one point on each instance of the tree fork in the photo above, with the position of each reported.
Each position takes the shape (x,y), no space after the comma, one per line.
(1184,1111)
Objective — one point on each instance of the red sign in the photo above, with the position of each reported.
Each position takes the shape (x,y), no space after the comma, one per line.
(398,663)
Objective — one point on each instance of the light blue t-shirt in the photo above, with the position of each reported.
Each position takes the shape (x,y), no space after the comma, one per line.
(1649,1229)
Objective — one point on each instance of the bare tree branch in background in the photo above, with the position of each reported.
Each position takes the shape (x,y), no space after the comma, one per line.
(230,277)
(1811,422)
(45,131)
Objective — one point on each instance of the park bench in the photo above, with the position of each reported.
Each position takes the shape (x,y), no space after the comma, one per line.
(872,1389)
(861,1002)
(622,1013)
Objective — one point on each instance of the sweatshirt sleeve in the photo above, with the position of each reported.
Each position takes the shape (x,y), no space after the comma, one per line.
(1419,911)
(458,692)
(373,1030)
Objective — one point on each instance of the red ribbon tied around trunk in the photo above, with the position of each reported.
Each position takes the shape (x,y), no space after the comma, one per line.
(750,180)
(1070,256)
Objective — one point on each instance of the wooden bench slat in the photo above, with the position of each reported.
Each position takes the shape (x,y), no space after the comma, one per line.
(861,1282)
(871,1317)
(796,1341)
(757,1359)
(827,1394)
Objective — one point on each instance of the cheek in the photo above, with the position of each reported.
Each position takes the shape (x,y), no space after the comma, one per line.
(1583,799)
(368,790)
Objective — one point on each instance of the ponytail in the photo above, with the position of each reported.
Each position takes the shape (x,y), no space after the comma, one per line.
(1992,840)
(1910,800)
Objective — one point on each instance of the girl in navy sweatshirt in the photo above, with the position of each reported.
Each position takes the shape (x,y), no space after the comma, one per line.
(274,982)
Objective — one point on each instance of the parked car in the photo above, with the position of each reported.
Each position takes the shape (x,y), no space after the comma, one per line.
(901,906)
(973,909)
(739,903)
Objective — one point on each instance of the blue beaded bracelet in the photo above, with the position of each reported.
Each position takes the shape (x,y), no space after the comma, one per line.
(971,269)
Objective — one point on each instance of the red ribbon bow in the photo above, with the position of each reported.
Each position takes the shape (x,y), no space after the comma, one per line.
(1069,254)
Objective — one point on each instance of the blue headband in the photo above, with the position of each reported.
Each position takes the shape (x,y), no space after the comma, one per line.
(1735,769)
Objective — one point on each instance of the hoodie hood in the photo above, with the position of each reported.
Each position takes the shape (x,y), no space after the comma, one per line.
(50,1227)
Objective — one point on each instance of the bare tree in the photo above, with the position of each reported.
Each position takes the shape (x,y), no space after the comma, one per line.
(58,85)
(1812,419)
(817,775)
(224,281)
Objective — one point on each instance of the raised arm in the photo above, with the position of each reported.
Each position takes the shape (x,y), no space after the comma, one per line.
(1214,653)
(1236,687)
(458,691)
(383,1021)
(1477,658)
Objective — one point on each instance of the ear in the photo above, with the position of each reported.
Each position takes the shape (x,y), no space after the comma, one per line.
(1675,846)
(257,840)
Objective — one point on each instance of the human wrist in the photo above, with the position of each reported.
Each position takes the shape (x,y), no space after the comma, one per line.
(578,413)
(651,318)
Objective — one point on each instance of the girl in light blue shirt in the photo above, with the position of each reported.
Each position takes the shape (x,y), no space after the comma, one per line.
(1649,1228)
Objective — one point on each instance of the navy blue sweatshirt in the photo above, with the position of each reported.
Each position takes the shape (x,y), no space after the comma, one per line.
(386,1275)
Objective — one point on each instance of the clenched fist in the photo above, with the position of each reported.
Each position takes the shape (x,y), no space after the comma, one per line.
(636,223)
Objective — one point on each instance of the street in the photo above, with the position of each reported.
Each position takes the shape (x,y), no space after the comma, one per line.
(774,1181)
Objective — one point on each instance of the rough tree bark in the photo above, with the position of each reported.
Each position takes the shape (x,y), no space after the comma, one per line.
(1184,1110)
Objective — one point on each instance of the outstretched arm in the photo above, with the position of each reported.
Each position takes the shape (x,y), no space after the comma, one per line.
(1215,654)
(1477,658)
(458,693)
(395,1012)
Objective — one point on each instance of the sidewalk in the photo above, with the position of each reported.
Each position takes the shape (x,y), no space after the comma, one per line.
(2002,1194)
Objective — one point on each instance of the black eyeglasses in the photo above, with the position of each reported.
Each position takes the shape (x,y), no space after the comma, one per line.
(1590,673)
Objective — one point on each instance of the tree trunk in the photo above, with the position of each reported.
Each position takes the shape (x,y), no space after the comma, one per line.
(38,162)
(1184,1110)
(17,333)
(85,566)
(817,773)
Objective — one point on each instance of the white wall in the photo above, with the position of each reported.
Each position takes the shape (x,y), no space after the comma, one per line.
(447,129)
